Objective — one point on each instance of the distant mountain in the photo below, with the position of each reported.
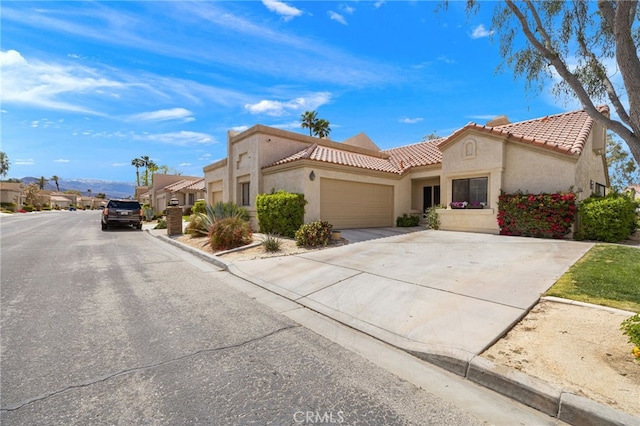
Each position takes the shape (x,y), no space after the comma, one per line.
(112,189)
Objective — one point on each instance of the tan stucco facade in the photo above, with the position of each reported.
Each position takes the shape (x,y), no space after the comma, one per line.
(268,159)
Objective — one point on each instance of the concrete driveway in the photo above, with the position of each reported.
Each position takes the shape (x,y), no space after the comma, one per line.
(444,296)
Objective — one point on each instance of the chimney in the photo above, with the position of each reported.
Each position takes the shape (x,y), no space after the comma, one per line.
(500,120)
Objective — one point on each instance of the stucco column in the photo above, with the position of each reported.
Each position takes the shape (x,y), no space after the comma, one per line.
(174,221)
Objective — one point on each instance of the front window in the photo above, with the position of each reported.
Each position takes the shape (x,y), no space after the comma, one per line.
(192,199)
(245,193)
(472,190)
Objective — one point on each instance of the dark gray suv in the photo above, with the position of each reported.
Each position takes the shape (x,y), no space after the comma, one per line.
(122,212)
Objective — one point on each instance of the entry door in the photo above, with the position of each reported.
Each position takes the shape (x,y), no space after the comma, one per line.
(430,196)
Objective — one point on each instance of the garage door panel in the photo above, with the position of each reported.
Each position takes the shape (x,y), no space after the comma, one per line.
(347,204)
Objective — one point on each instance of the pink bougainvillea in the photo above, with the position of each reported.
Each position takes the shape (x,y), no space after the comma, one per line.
(536,215)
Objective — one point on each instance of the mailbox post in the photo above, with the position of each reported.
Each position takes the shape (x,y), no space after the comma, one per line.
(174,217)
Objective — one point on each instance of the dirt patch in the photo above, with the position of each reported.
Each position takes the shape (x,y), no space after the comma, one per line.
(580,349)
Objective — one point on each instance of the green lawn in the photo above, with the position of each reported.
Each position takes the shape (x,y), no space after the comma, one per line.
(607,275)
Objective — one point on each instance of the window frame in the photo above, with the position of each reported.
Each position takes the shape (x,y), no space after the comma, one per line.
(461,190)
(245,194)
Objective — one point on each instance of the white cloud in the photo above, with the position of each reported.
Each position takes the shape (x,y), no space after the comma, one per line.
(278,108)
(411,120)
(61,160)
(347,9)
(164,114)
(120,164)
(446,60)
(182,138)
(378,3)
(184,164)
(240,128)
(290,125)
(483,117)
(334,16)
(45,85)
(480,31)
(281,8)
(24,162)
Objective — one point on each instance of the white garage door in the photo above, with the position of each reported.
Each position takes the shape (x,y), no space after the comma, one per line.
(346,204)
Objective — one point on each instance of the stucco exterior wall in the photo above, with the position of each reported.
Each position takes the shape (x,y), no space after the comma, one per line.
(535,170)
(591,165)
(296,179)
(472,156)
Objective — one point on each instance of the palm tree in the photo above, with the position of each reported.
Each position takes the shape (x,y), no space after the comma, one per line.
(42,182)
(137,163)
(309,120)
(4,164)
(151,169)
(145,163)
(56,179)
(321,128)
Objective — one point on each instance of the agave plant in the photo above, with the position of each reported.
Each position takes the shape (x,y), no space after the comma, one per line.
(200,223)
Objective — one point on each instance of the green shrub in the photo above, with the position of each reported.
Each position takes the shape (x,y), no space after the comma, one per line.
(314,234)
(148,212)
(8,206)
(406,221)
(199,206)
(200,223)
(195,227)
(631,328)
(28,207)
(271,243)
(610,219)
(432,218)
(229,233)
(280,213)
(162,224)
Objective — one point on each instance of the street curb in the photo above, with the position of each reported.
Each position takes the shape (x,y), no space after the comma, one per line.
(586,305)
(528,390)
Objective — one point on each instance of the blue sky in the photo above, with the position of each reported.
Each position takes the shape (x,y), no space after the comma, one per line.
(88,86)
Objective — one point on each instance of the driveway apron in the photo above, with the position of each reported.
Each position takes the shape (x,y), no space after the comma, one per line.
(442,294)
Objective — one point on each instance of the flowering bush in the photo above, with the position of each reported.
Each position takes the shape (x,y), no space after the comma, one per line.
(536,215)
(314,234)
(631,328)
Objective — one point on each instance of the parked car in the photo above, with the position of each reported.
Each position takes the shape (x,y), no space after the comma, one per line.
(122,212)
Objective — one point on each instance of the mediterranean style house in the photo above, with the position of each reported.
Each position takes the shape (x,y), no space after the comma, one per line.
(186,189)
(354,184)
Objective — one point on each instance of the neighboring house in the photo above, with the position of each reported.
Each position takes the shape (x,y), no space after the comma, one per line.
(186,191)
(62,201)
(11,193)
(354,184)
(164,187)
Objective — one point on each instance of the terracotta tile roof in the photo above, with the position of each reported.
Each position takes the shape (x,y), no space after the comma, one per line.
(325,154)
(184,184)
(197,185)
(566,133)
(418,154)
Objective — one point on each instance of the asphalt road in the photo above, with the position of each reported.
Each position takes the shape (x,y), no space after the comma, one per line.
(118,327)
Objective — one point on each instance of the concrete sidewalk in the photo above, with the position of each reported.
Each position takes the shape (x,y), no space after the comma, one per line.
(444,297)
